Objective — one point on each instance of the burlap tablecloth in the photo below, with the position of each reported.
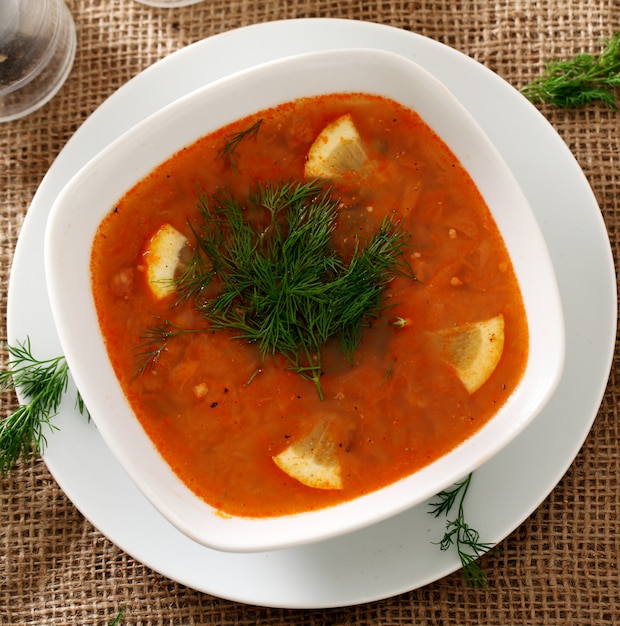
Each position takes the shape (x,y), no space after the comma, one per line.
(559,567)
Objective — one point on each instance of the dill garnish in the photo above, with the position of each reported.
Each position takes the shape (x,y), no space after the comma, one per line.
(228,150)
(460,534)
(278,281)
(388,373)
(583,79)
(156,340)
(43,384)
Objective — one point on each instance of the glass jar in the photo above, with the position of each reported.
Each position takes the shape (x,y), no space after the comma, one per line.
(37,50)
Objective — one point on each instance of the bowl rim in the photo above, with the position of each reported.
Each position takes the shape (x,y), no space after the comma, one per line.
(258,534)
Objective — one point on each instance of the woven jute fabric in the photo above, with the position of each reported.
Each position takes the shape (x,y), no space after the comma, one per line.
(559,567)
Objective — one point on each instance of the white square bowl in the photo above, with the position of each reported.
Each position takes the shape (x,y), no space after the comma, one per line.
(91,194)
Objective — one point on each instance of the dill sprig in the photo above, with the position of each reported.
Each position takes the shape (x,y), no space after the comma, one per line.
(228,150)
(280,283)
(583,79)
(42,384)
(460,534)
(156,340)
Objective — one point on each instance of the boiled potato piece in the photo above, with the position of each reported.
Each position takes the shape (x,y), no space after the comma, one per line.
(474,350)
(162,258)
(337,149)
(312,461)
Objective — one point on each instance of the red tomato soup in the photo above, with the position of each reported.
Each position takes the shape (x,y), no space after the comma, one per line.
(222,411)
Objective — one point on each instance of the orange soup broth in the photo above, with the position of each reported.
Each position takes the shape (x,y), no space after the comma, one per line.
(398,407)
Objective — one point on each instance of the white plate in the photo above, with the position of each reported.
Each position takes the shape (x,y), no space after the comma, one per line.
(397,555)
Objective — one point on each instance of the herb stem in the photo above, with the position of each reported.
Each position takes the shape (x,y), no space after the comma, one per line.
(229,149)
(461,535)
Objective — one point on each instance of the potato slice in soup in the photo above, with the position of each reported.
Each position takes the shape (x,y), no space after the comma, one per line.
(474,350)
(162,259)
(312,460)
(337,149)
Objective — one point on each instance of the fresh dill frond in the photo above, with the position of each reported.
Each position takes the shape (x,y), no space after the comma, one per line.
(80,404)
(195,276)
(387,375)
(461,535)
(581,80)
(228,150)
(280,283)
(42,384)
(156,340)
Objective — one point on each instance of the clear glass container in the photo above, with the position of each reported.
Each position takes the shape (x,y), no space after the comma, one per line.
(37,50)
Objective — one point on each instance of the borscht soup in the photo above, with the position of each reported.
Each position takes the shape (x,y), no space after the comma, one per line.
(308,304)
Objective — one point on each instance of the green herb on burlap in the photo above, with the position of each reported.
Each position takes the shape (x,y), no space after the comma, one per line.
(461,535)
(581,80)
(42,384)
